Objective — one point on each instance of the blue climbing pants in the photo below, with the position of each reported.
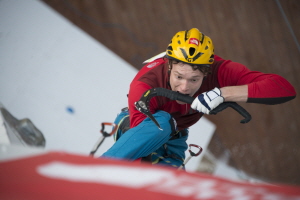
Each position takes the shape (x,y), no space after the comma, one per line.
(166,146)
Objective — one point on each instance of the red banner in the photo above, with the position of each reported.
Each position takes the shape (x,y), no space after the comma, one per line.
(66,176)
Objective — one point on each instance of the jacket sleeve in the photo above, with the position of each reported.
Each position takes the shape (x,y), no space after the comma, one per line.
(262,88)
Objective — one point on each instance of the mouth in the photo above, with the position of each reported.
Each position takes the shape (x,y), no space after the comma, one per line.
(180,102)
(183,93)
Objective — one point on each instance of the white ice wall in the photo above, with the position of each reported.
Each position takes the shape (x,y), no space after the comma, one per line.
(49,67)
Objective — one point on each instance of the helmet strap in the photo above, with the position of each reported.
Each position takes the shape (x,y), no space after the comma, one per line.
(169,65)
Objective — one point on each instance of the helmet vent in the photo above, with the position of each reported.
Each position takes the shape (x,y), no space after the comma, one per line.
(192,51)
(170,48)
(197,56)
(184,53)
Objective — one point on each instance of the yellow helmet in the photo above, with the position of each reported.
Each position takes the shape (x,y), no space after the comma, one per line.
(191,47)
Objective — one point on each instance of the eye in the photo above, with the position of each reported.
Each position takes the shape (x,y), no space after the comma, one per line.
(195,80)
(179,77)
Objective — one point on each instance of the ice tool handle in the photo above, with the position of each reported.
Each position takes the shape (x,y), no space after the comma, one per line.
(143,104)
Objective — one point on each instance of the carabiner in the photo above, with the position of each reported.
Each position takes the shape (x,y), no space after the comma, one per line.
(104,133)
(192,153)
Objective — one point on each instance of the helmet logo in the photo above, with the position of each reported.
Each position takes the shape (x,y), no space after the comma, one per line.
(194,41)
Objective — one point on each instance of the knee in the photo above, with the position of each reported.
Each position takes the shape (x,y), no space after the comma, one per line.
(166,122)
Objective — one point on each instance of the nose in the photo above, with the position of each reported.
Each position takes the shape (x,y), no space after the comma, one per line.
(184,87)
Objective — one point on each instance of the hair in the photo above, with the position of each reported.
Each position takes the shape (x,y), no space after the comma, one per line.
(205,69)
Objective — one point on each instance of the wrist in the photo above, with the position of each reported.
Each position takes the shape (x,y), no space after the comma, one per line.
(235,93)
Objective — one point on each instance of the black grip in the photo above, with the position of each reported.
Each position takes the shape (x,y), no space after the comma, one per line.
(173,95)
(236,107)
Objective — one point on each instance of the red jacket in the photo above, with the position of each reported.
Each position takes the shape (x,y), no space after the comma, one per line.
(262,88)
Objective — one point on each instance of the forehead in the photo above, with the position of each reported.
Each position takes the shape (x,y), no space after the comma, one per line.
(185,69)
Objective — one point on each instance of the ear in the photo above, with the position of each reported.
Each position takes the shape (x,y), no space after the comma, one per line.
(169,69)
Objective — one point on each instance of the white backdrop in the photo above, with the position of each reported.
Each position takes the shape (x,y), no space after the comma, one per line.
(66,82)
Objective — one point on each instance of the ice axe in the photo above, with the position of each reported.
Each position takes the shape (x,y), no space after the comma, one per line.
(143,104)
(192,154)
(104,135)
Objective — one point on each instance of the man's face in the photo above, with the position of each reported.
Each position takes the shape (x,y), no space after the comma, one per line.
(184,79)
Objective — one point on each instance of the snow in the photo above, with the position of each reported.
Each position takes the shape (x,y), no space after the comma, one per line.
(64,81)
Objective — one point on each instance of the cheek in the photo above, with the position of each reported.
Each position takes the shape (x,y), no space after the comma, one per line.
(174,83)
(197,87)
